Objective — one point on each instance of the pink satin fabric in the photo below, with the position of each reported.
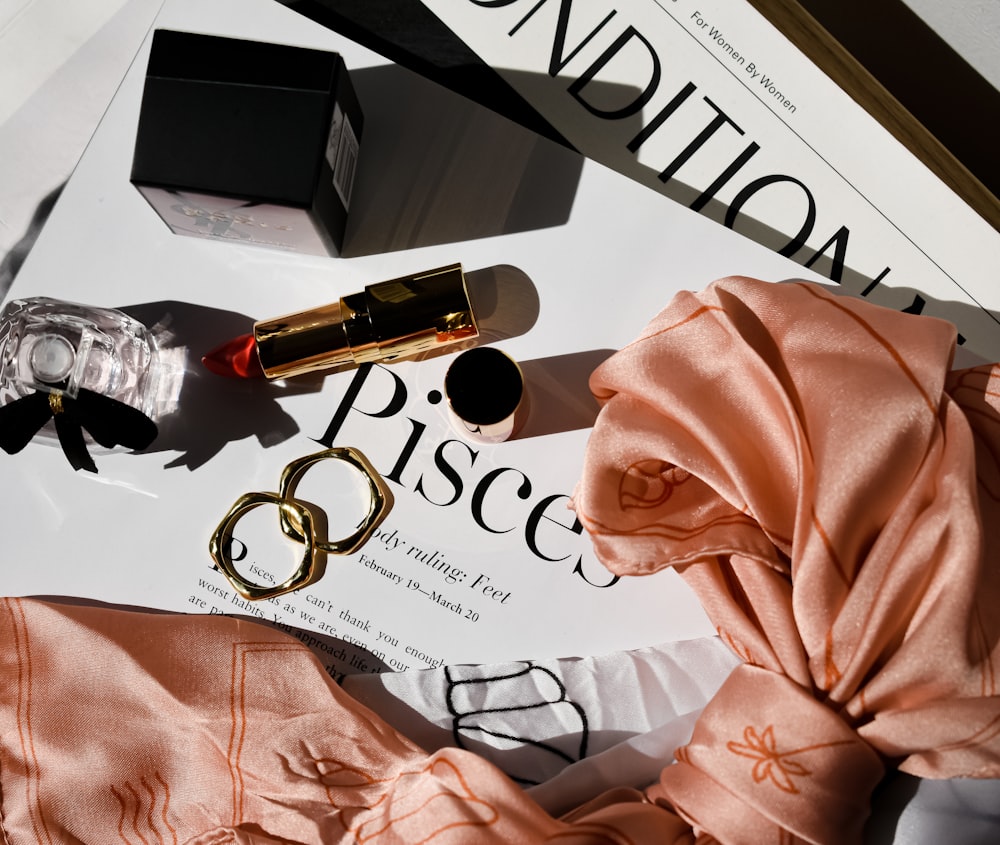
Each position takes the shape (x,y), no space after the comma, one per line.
(809,465)
(139,728)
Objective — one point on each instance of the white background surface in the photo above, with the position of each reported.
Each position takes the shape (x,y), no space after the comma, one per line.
(971,28)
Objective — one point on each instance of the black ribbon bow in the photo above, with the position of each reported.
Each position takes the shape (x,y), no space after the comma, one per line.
(110,422)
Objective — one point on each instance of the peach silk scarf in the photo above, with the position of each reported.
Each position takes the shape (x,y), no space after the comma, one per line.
(807,462)
(809,465)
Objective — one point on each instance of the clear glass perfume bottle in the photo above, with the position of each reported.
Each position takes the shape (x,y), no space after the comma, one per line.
(62,347)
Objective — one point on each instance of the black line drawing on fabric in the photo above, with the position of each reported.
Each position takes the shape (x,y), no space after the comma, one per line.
(519,716)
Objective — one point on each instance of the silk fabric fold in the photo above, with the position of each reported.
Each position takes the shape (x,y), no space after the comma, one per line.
(810,466)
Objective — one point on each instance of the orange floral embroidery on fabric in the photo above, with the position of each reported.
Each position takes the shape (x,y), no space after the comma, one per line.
(740,650)
(649,483)
(414,805)
(772,764)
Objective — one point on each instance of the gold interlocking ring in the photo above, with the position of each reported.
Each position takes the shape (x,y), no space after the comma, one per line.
(379,503)
(295,513)
(298,521)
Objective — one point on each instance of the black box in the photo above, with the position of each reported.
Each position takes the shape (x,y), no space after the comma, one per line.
(247,141)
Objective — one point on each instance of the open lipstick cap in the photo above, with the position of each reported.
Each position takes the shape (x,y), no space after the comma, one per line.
(485,391)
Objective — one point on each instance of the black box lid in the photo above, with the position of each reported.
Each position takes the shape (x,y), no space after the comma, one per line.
(236,117)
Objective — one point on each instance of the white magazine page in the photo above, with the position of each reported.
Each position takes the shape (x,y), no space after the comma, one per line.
(479,559)
(706,102)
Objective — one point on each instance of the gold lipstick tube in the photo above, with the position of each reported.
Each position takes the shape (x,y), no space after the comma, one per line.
(388,320)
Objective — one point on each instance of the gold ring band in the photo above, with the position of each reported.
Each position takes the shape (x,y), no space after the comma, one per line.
(379,503)
(298,522)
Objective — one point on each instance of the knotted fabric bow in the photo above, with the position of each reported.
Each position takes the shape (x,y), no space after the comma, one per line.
(809,465)
(110,422)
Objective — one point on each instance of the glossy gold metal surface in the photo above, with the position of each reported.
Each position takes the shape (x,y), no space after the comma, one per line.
(298,521)
(388,320)
(293,513)
(379,505)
